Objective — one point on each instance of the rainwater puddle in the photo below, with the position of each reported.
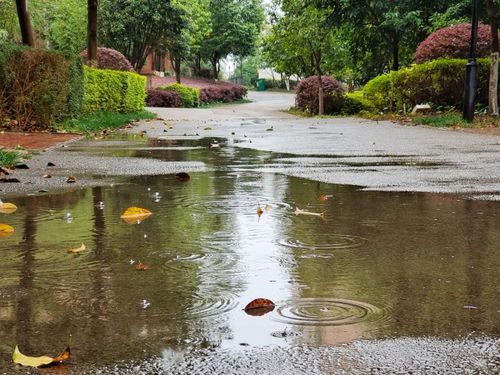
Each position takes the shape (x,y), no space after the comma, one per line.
(376,265)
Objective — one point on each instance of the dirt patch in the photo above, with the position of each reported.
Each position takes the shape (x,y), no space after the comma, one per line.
(33,141)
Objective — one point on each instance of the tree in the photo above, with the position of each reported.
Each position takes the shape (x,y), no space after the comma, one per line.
(92,32)
(65,27)
(25,23)
(493,84)
(134,27)
(236,24)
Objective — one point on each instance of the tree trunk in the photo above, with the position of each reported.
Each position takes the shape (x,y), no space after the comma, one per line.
(215,71)
(25,23)
(493,83)
(92,32)
(395,55)
(177,68)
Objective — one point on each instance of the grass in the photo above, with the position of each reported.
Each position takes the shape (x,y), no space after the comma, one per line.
(99,121)
(9,158)
(444,120)
(218,104)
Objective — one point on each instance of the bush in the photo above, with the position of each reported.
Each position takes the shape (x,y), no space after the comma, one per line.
(38,87)
(163,98)
(108,58)
(112,90)
(222,93)
(453,42)
(438,82)
(306,98)
(354,102)
(190,96)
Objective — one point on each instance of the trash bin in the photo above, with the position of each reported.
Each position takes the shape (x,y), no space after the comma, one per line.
(261,85)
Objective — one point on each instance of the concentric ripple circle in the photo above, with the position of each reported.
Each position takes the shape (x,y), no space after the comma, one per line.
(324,242)
(327,312)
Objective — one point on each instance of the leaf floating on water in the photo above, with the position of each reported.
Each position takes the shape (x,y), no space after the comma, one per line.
(268,208)
(24,360)
(260,211)
(259,307)
(7,208)
(77,249)
(134,215)
(323,197)
(71,180)
(6,230)
(182,176)
(299,211)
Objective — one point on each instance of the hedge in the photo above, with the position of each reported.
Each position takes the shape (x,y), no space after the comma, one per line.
(437,82)
(38,87)
(113,90)
(163,98)
(190,96)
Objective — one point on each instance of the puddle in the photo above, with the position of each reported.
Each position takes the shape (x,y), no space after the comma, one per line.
(377,265)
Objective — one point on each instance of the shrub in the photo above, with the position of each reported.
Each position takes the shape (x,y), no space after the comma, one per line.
(438,82)
(108,58)
(222,93)
(354,102)
(453,42)
(306,98)
(163,98)
(38,87)
(112,90)
(190,96)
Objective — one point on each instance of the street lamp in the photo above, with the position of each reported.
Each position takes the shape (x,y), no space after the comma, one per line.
(471,69)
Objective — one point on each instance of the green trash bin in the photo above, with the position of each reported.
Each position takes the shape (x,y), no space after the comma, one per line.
(261,85)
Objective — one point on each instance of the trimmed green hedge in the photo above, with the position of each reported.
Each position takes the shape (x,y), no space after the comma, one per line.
(38,87)
(438,82)
(190,96)
(113,90)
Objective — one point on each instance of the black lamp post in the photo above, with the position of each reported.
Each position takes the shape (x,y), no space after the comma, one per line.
(471,69)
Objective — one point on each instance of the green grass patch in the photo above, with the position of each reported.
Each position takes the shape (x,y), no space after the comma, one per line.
(445,120)
(219,104)
(99,121)
(9,158)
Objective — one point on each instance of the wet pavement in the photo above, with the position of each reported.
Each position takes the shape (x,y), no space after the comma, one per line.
(384,282)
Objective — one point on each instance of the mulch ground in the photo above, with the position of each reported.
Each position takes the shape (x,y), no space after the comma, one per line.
(33,141)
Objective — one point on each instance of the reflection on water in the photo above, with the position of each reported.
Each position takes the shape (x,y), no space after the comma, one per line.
(377,265)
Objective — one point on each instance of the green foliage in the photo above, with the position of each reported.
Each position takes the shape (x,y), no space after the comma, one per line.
(438,82)
(355,102)
(8,158)
(190,96)
(113,90)
(443,120)
(75,97)
(101,120)
(67,23)
(38,87)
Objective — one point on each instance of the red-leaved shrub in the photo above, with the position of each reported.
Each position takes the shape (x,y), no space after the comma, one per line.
(108,58)
(163,98)
(453,42)
(306,98)
(222,93)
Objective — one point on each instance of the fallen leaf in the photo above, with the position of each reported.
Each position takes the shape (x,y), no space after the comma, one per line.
(71,179)
(6,230)
(268,208)
(141,266)
(259,307)
(182,176)
(133,214)
(9,180)
(323,197)
(299,211)
(50,164)
(47,175)
(24,360)
(21,166)
(77,249)
(7,208)
(260,211)
(214,145)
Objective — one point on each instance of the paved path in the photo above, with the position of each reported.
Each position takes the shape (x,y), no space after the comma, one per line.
(376,155)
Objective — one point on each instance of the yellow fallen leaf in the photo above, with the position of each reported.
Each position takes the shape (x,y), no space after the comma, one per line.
(77,250)
(7,208)
(133,214)
(20,358)
(6,230)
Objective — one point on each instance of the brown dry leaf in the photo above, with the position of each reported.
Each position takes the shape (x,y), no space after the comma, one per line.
(134,214)
(47,175)
(259,307)
(6,230)
(182,176)
(323,197)
(24,360)
(260,211)
(7,208)
(77,249)
(71,179)
(141,267)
